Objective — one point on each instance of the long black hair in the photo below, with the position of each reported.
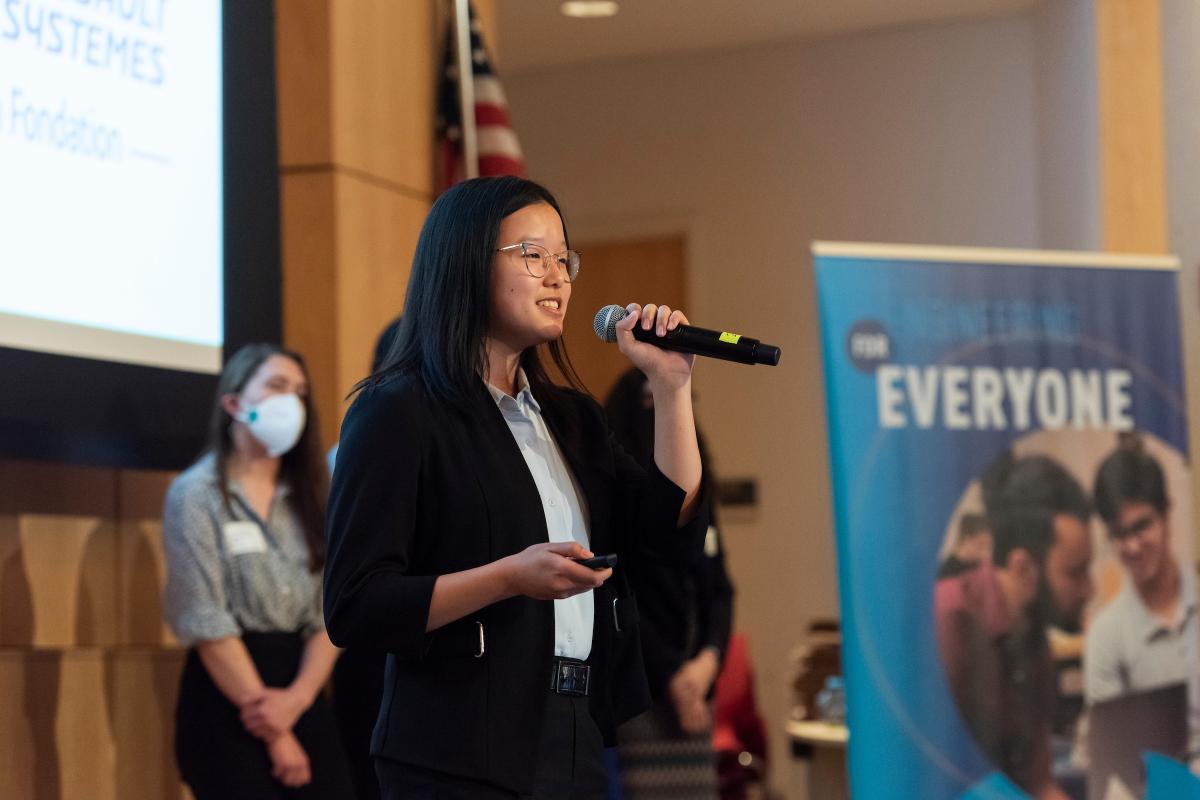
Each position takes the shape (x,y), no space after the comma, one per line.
(447,307)
(301,468)
(631,420)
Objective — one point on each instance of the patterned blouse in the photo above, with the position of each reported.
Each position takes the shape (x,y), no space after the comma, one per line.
(228,570)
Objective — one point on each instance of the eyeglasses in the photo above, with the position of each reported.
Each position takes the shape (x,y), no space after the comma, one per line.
(538,259)
(1133,529)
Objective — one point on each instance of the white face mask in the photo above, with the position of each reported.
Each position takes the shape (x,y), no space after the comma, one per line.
(276,422)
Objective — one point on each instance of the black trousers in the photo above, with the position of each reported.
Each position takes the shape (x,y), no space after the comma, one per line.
(357,693)
(220,760)
(570,764)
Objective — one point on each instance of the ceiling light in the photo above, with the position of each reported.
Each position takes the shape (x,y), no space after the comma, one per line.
(589,8)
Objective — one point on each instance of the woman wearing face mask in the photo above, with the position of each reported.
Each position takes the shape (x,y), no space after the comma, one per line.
(244,547)
(466,484)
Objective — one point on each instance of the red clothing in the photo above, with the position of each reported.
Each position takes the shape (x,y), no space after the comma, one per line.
(738,725)
(1001,674)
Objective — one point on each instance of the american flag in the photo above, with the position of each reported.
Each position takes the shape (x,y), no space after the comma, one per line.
(499,150)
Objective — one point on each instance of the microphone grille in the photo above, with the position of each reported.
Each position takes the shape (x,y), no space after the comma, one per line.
(606,321)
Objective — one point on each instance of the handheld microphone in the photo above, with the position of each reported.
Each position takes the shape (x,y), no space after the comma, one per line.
(688,339)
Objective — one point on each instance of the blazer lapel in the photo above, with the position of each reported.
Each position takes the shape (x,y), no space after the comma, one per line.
(517,519)
(590,479)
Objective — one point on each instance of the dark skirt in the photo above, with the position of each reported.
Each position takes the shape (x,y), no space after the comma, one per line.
(220,759)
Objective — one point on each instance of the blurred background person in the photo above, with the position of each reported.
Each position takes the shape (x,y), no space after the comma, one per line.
(992,621)
(1147,637)
(243,536)
(358,674)
(686,617)
(383,345)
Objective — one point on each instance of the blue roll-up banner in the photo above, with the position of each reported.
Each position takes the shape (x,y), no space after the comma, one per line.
(1013,508)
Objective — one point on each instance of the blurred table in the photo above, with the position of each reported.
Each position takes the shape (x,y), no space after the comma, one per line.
(823,746)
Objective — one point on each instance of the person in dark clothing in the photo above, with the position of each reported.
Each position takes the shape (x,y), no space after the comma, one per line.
(358,673)
(686,622)
(467,486)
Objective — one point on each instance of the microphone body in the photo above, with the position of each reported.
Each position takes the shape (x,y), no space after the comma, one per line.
(690,339)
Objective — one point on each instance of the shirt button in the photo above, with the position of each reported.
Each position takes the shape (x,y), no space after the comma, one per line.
(552,502)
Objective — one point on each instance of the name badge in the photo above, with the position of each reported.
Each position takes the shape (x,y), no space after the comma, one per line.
(243,536)
(712,545)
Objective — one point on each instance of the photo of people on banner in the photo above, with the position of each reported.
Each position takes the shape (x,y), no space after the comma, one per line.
(1014,521)
(1037,550)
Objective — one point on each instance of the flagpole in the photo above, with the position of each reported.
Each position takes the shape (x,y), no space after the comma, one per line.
(466,87)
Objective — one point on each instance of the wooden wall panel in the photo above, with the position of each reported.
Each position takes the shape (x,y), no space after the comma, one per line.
(142,688)
(28,753)
(377,233)
(71,566)
(143,577)
(88,723)
(357,90)
(488,16)
(384,76)
(57,555)
(16,592)
(302,62)
(32,487)
(86,746)
(142,569)
(619,272)
(310,272)
(1132,143)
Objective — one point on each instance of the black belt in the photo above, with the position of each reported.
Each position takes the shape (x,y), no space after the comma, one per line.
(570,676)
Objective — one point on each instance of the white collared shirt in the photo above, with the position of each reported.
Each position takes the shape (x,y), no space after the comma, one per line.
(1130,649)
(562,502)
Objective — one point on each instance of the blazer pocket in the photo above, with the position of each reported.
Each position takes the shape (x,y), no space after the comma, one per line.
(463,638)
(625,616)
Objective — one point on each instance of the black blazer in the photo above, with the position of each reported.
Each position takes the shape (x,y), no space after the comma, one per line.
(421,490)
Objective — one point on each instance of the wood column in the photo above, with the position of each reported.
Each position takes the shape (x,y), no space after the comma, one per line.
(357,92)
(1132,144)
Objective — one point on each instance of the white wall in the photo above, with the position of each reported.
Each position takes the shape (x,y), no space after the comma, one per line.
(1068,125)
(926,135)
